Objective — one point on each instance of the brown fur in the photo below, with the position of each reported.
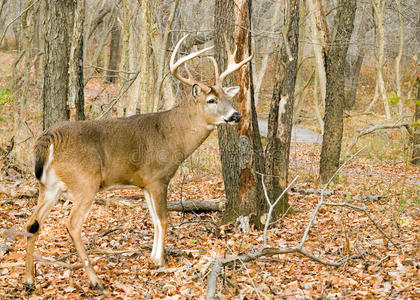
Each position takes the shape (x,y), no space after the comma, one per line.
(83,157)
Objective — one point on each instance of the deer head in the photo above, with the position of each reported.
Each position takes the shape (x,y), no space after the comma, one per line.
(214,101)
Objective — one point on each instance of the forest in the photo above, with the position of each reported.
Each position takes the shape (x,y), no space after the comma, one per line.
(209,149)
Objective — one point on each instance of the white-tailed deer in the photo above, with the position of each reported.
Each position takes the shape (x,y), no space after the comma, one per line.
(84,157)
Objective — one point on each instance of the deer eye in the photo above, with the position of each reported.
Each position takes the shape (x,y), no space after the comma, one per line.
(211,101)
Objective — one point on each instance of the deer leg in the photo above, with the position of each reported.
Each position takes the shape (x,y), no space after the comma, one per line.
(48,196)
(78,214)
(156,200)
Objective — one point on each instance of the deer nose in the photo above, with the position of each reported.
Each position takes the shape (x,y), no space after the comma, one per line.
(235,117)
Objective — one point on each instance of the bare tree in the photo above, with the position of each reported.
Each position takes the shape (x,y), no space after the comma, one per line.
(416,135)
(57,44)
(76,84)
(250,204)
(399,56)
(281,110)
(334,101)
(113,54)
(228,136)
(354,63)
(320,39)
(379,12)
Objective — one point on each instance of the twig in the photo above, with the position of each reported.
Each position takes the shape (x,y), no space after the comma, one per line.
(321,201)
(120,94)
(271,206)
(105,69)
(219,263)
(368,215)
(17,17)
(365,131)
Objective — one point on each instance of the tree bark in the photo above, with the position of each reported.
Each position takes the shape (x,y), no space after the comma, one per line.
(113,54)
(145,90)
(301,87)
(228,135)
(281,113)
(320,39)
(251,202)
(161,85)
(379,9)
(399,56)
(354,64)
(28,30)
(259,76)
(416,134)
(57,45)
(334,101)
(76,83)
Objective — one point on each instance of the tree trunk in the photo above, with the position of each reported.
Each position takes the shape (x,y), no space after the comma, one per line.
(162,86)
(354,75)
(399,56)
(301,87)
(416,132)
(379,9)
(281,113)
(76,84)
(251,202)
(145,90)
(125,47)
(228,135)
(259,76)
(354,64)
(113,54)
(319,34)
(334,101)
(28,31)
(57,45)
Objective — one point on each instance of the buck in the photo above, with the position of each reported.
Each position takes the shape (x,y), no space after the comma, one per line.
(84,157)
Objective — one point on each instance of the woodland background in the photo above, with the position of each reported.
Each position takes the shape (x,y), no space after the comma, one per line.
(355,63)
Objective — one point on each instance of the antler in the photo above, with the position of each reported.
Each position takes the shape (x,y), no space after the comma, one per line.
(174,66)
(232,66)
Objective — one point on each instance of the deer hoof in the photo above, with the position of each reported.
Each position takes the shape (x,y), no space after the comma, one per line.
(29,288)
(97,286)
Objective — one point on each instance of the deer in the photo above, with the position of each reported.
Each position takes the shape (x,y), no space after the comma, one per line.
(82,158)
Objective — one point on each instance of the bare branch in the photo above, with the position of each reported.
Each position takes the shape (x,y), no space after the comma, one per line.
(308,227)
(14,20)
(271,206)
(365,131)
(122,91)
(219,263)
(368,215)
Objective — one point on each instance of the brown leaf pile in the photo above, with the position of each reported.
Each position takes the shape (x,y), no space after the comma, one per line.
(119,235)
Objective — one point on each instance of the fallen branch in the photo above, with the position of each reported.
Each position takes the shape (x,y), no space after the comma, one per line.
(355,207)
(196,205)
(217,266)
(184,206)
(364,131)
(219,263)
(310,191)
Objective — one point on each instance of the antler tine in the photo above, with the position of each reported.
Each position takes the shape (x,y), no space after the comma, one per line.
(175,65)
(216,71)
(232,66)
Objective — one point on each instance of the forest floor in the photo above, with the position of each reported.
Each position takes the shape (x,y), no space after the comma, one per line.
(119,235)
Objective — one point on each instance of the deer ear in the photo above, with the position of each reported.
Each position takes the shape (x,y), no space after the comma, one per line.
(195,91)
(231,91)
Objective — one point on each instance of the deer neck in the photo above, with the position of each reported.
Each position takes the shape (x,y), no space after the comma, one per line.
(192,127)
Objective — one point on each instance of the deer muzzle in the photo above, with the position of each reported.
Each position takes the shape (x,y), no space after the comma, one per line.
(235,117)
